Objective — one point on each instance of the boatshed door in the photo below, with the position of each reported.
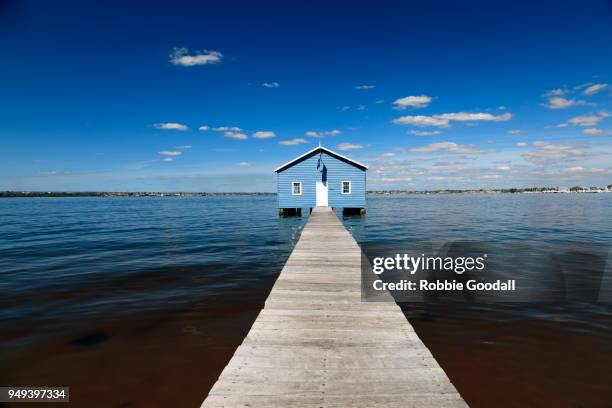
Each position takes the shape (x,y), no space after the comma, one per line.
(321,194)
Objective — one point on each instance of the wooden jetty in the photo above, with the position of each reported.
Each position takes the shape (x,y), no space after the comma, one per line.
(316,344)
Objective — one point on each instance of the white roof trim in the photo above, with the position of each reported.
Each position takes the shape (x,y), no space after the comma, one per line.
(314,150)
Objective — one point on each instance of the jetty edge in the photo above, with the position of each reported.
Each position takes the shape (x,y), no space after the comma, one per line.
(316,344)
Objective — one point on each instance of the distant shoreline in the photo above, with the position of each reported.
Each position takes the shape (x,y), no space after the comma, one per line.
(531,190)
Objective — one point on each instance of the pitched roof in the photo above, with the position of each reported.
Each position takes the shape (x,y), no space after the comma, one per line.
(315,151)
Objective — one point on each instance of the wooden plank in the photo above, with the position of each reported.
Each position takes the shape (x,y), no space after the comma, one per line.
(325,336)
(432,400)
(316,344)
(355,362)
(332,375)
(315,352)
(295,305)
(418,385)
(326,324)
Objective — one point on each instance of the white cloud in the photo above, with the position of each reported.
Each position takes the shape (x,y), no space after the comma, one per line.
(227,129)
(424,133)
(558,102)
(597,132)
(503,167)
(167,159)
(514,131)
(521,144)
(334,132)
(48,173)
(297,140)
(270,84)
(235,135)
(244,164)
(555,92)
(394,179)
(171,126)
(204,128)
(465,117)
(587,120)
(420,120)
(349,146)
(449,147)
(443,120)
(388,154)
(593,132)
(420,101)
(593,89)
(183,147)
(170,153)
(576,169)
(181,56)
(365,87)
(360,107)
(592,170)
(263,134)
(380,101)
(552,153)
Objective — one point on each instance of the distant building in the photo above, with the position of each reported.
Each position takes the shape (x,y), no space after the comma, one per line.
(321,178)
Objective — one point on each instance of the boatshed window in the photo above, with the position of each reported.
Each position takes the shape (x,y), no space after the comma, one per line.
(297,188)
(346,187)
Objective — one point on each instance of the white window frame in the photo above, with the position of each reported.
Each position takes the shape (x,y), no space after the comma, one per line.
(293,183)
(350,190)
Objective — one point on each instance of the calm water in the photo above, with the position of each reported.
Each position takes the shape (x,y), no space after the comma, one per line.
(67,261)
(498,218)
(66,258)
(557,247)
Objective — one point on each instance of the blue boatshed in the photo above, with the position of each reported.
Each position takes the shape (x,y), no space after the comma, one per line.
(321,178)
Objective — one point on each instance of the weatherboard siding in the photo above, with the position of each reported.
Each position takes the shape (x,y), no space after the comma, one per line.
(306,172)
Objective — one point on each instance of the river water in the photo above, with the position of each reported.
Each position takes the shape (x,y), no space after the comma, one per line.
(140,302)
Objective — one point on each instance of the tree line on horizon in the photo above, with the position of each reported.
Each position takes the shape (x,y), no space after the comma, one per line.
(8,194)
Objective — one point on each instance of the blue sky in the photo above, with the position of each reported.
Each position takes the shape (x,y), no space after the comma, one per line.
(437,94)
